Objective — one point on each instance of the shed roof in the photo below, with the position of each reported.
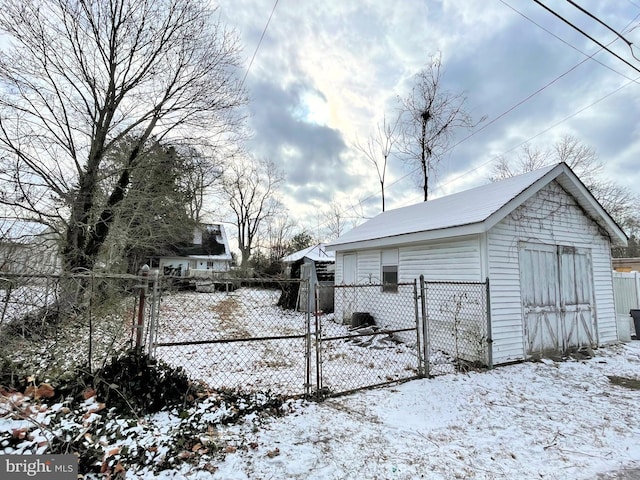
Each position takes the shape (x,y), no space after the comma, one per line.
(317,253)
(473,211)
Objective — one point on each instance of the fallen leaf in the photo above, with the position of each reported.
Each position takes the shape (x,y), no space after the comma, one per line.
(230,449)
(45,390)
(96,408)
(273,453)
(210,468)
(88,393)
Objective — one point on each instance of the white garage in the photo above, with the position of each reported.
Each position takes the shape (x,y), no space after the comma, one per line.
(541,239)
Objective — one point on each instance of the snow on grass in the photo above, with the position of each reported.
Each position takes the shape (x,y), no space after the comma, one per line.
(531,420)
(546,419)
(277,364)
(554,420)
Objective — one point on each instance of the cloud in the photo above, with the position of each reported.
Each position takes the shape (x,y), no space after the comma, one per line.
(326,73)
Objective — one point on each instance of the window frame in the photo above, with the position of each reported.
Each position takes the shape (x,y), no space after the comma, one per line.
(389,266)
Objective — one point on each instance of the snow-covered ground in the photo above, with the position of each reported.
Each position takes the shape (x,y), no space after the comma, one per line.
(531,420)
(578,419)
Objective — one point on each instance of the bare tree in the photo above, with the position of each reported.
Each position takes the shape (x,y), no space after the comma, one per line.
(199,176)
(378,147)
(335,220)
(77,77)
(618,200)
(250,185)
(279,231)
(430,116)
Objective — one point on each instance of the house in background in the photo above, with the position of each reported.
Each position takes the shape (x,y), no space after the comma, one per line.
(208,253)
(28,248)
(541,239)
(317,266)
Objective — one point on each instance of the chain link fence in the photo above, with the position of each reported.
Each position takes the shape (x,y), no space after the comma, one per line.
(242,333)
(53,324)
(370,339)
(232,333)
(454,324)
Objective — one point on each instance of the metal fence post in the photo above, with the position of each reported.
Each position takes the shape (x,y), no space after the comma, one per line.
(489,337)
(155,310)
(416,297)
(144,274)
(307,348)
(90,359)
(425,325)
(318,333)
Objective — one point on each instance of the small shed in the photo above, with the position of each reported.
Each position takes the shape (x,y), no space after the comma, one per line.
(317,266)
(541,239)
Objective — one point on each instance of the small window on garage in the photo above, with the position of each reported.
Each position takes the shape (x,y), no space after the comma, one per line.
(390,270)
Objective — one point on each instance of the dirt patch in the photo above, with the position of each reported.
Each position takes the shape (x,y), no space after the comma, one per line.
(630,383)
(229,312)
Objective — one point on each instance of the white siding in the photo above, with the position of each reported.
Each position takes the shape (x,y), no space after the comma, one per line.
(551,217)
(450,260)
(369,268)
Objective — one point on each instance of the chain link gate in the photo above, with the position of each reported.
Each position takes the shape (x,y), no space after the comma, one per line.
(372,338)
(230,333)
(456,326)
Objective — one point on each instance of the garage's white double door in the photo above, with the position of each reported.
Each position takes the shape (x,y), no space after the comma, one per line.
(557,298)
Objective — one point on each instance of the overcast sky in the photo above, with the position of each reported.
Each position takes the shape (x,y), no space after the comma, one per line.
(327,70)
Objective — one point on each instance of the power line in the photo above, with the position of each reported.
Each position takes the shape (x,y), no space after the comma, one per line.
(529,97)
(592,56)
(554,13)
(264,30)
(551,127)
(620,36)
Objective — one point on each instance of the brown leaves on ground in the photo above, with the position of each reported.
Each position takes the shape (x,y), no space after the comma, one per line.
(273,453)
(44,390)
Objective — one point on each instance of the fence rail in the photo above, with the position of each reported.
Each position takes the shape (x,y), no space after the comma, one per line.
(242,333)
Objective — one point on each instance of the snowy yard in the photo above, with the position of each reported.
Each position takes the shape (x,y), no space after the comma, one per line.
(578,419)
(531,420)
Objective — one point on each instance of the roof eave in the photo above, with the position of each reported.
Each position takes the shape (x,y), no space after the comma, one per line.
(409,238)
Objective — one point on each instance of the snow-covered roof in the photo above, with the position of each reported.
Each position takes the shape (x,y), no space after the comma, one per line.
(317,253)
(472,211)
